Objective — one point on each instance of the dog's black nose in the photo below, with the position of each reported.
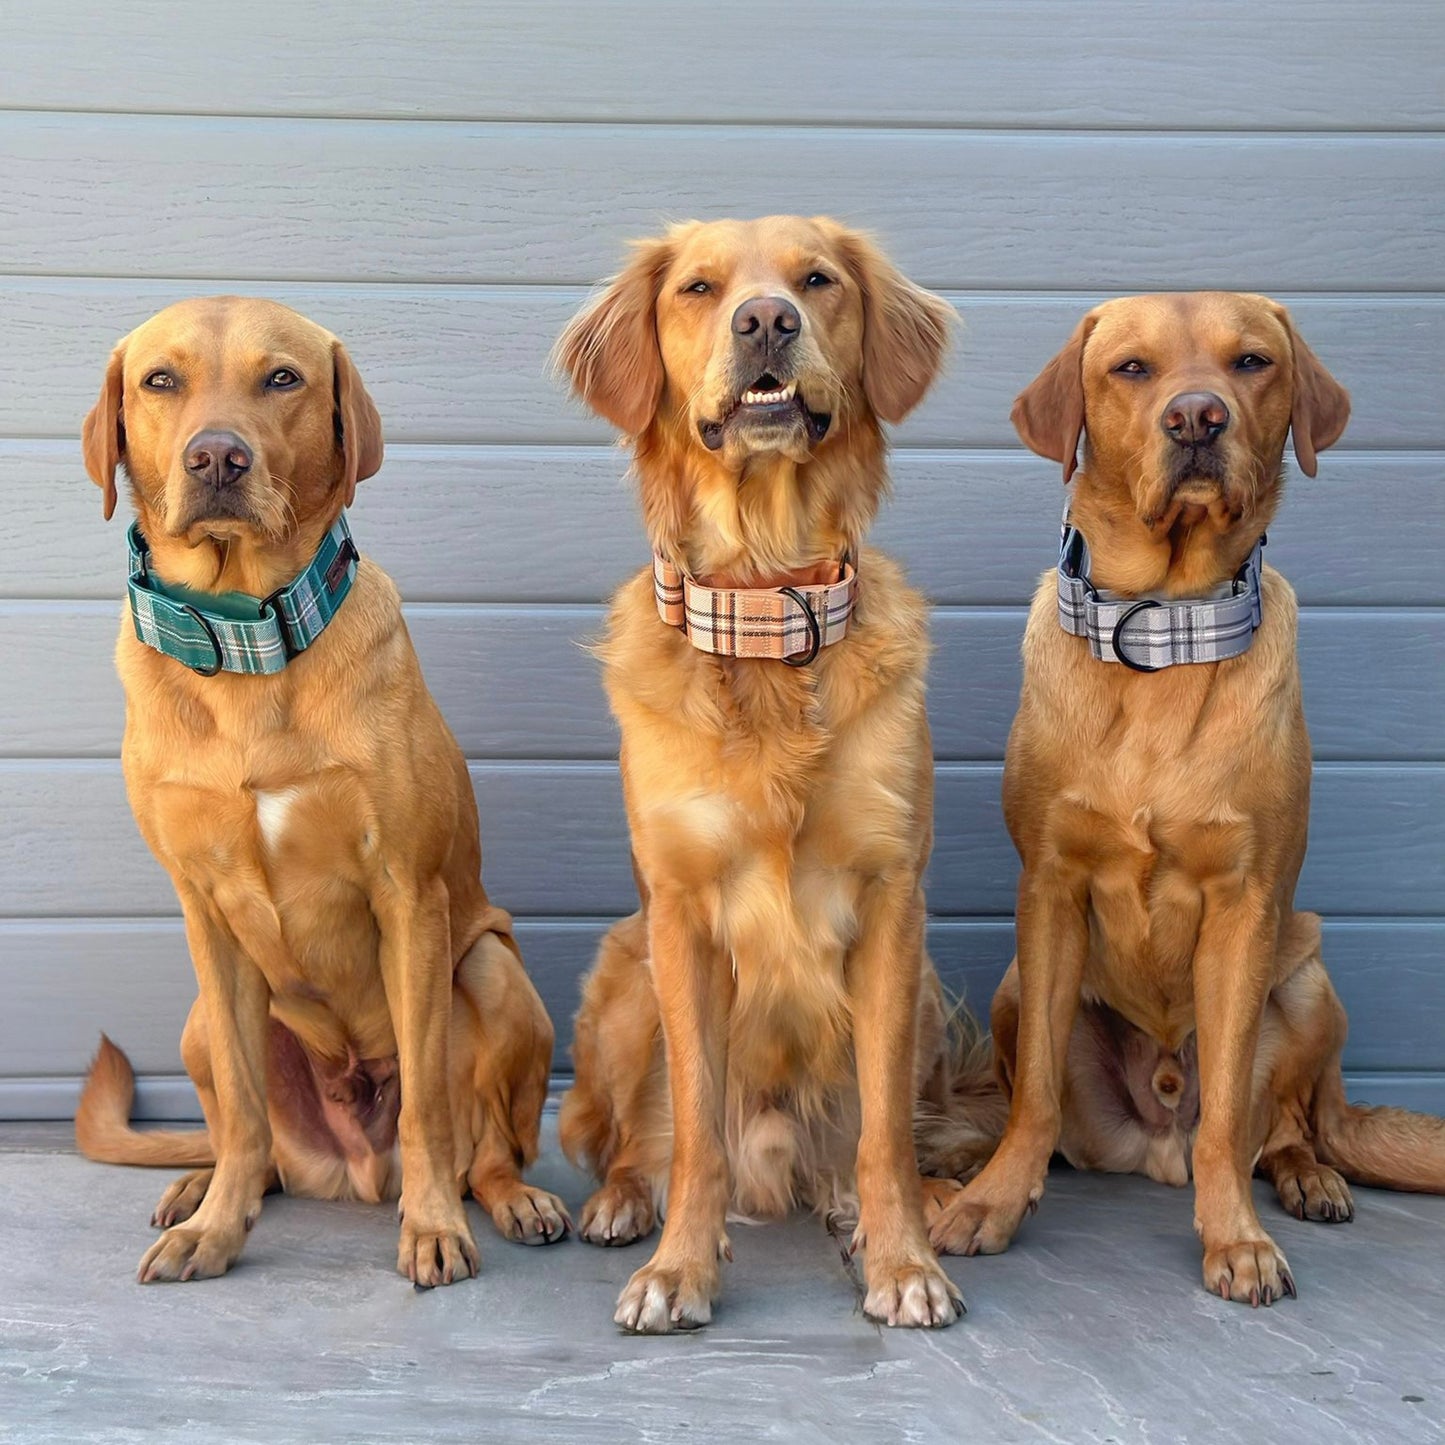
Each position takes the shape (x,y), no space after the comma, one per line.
(768,323)
(1194,417)
(218,457)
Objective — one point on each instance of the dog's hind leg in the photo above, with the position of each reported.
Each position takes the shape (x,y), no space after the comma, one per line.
(501,1061)
(615,1118)
(1301,1038)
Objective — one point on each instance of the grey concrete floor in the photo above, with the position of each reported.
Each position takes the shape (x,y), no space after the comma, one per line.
(1094,1327)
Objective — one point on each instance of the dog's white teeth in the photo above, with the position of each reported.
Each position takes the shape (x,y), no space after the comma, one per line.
(770,398)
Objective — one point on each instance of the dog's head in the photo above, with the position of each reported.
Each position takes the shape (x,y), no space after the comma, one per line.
(1187,400)
(731,344)
(235,419)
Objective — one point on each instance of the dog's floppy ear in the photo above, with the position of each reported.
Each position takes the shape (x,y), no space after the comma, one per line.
(905,328)
(610,347)
(1321,406)
(102,436)
(1048,413)
(358,423)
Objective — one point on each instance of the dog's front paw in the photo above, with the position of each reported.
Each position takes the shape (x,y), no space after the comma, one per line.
(1250,1271)
(619,1212)
(938,1194)
(982,1220)
(182,1199)
(189,1251)
(661,1298)
(913,1294)
(436,1251)
(530,1216)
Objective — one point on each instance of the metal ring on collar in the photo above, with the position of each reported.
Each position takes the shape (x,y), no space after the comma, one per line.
(1117,638)
(211,638)
(815,633)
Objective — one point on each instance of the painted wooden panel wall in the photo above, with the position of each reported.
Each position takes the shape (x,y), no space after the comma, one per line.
(441,184)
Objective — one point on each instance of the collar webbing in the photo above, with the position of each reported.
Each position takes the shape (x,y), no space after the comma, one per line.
(1150,633)
(788,624)
(238,632)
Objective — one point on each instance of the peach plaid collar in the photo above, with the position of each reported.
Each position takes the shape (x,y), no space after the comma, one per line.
(789,624)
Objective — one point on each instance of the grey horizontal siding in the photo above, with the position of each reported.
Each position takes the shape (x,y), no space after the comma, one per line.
(1235,64)
(555,840)
(440,186)
(447,202)
(171,1097)
(479,524)
(469,363)
(131,977)
(517,682)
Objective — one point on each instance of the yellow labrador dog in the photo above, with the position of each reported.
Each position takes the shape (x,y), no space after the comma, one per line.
(364,1026)
(757,1036)
(1168,1011)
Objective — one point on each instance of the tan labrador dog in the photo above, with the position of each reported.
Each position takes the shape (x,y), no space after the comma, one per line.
(1168,1010)
(757,1036)
(364,1026)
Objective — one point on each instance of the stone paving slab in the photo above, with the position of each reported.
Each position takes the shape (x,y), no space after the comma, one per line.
(1093,1328)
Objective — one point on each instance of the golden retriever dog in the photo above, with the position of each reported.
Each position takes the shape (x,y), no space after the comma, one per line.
(364,1027)
(1168,1012)
(758,1034)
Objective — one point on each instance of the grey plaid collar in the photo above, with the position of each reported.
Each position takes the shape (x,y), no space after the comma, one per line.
(1150,633)
(233,631)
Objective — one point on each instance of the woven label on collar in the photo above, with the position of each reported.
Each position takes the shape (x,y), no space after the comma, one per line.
(782,623)
(1147,633)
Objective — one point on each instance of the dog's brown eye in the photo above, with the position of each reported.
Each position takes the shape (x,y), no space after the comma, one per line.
(1252,361)
(282,379)
(697,288)
(816,279)
(159,381)
(1132,367)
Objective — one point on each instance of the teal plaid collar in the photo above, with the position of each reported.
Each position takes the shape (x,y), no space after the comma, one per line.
(233,631)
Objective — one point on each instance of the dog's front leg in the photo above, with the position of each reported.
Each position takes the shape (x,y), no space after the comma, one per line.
(1053,940)
(416,971)
(906,1286)
(676,1288)
(1233,970)
(237,1001)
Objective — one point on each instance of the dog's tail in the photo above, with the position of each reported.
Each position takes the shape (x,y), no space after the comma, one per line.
(102,1122)
(960,1118)
(1384,1147)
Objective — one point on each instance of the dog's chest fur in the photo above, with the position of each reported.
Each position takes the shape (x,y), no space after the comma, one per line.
(260,816)
(1167,791)
(771,799)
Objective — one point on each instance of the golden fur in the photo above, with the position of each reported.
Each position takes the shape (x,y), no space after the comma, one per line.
(1168,1012)
(356,985)
(758,1034)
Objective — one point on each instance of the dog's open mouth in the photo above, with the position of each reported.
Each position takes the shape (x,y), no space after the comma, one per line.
(768,404)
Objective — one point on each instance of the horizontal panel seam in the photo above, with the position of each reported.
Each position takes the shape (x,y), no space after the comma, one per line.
(1263,133)
(1084,296)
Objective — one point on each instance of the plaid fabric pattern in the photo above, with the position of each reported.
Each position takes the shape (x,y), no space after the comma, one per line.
(1153,633)
(755,621)
(286,623)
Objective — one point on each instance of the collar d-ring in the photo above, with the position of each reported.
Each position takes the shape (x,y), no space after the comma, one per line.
(1117,638)
(815,633)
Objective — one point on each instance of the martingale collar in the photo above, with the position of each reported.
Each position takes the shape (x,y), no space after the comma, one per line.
(789,624)
(233,631)
(1150,633)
